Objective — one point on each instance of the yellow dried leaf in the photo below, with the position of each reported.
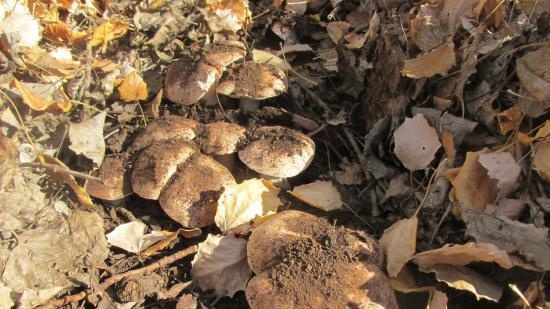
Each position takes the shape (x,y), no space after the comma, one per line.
(510,119)
(108,31)
(544,131)
(541,162)
(437,61)
(61,176)
(36,102)
(170,236)
(132,88)
(319,194)
(465,254)
(262,56)
(399,244)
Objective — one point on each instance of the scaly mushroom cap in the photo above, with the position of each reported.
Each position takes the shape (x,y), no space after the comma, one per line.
(222,54)
(156,165)
(221,138)
(167,128)
(188,81)
(190,197)
(278,152)
(116,181)
(253,80)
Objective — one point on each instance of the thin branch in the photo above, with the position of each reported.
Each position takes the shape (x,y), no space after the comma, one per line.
(57,169)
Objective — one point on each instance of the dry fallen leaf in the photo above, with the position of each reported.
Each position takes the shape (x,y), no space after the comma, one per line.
(465,254)
(533,70)
(416,143)
(107,32)
(336,30)
(502,167)
(472,186)
(36,102)
(437,61)
(438,300)
(319,194)
(541,161)
(351,173)
(132,238)
(231,15)
(221,265)
(241,203)
(399,244)
(87,138)
(544,131)
(510,119)
(132,88)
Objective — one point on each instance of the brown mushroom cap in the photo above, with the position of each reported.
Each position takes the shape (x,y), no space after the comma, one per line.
(167,128)
(222,54)
(156,164)
(116,181)
(221,138)
(253,80)
(278,152)
(190,197)
(187,81)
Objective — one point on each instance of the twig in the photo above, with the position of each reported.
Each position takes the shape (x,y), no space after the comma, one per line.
(57,169)
(131,273)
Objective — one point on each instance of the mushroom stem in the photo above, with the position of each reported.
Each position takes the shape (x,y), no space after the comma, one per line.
(248,104)
(211,96)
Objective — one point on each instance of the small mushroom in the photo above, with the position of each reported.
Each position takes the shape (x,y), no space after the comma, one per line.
(251,82)
(156,165)
(222,54)
(222,140)
(276,151)
(166,128)
(116,184)
(191,195)
(293,250)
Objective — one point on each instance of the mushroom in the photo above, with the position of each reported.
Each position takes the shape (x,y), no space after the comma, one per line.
(276,151)
(251,82)
(222,140)
(187,81)
(293,250)
(170,127)
(116,184)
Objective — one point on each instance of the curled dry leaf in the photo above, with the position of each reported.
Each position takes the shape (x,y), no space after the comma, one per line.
(87,138)
(241,203)
(35,101)
(221,265)
(319,194)
(502,167)
(133,88)
(132,238)
(437,61)
(416,143)
(472,186)
(465,254)
(399,244)
(541,162)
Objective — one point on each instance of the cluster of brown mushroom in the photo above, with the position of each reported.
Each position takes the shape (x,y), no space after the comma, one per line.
(189,80)
(173,160)
(301,261)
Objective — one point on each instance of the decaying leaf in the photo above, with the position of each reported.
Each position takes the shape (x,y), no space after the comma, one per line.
(541,162)
(107,32)
(502,167)
(533,70)
(513,236)
(132,238)
(221,265)
(87,138)
(351,174)
(463,278)
(241,203)
(36,102)
(336,30)
(465,254)
(510,119)
(416,143)
(399,244)
(231,15)
(472,186)
(133,88)
(319,194)
(437,61)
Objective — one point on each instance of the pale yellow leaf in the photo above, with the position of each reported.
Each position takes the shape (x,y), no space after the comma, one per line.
(319,194)
(437,61)
(399,244)
(107,32)
(132,88)
(35,102)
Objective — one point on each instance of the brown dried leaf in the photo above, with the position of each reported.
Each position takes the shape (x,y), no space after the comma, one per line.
(466,254)
(437,61)
(133,88)
(319,194)
(544,131)
(473,188)
(399,244)
(336,30)
(541,162)
(416,143)
(502,167)
(36,102)
(510,119)
(438,300)
(533,70)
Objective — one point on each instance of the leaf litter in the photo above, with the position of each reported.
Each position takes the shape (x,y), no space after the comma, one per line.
(380,87)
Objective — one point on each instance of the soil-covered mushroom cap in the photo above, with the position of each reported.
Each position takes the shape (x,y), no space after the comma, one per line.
(191,196)
(222,54)
(116,181)
(278,152)
(187,81)
(221,138)
(253,80)
(156,164)
(167,128)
